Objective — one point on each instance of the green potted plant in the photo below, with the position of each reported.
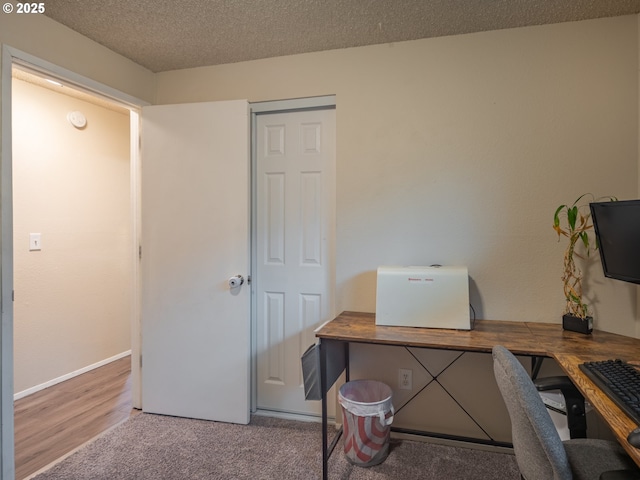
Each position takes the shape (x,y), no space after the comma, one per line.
(574,222)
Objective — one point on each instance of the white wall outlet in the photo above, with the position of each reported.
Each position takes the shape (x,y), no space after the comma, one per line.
(35,241)
(405,379)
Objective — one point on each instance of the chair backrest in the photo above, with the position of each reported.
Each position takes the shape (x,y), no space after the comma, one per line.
(536,442)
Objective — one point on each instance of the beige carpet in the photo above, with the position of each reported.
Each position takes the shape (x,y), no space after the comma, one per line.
(155,447)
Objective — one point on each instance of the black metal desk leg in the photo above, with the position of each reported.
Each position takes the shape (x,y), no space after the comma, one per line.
(323,388)
(330,370)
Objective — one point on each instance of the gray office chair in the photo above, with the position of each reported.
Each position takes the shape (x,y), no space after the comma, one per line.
(540,453)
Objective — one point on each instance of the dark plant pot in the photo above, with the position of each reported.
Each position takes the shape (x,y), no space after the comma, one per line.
(577,324)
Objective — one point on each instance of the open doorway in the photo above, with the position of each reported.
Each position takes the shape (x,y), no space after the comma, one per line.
(71,230)
(45,196)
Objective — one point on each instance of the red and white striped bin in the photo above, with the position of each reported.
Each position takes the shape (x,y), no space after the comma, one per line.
(367,414)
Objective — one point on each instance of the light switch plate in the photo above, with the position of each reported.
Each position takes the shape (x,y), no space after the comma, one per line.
(35,242)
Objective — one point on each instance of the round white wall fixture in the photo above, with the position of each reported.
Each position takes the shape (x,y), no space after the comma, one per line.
(77,119)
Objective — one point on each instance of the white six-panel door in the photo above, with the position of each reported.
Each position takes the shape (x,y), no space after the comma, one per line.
(195,236)
(295,178)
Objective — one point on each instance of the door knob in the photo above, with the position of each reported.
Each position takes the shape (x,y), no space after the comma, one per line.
(236,281)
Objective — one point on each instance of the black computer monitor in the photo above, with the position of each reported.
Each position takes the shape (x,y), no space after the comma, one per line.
(617,229)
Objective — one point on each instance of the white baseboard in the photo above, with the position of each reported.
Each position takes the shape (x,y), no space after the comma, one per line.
(50,383)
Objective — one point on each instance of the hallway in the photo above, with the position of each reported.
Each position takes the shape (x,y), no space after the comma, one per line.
(55,421)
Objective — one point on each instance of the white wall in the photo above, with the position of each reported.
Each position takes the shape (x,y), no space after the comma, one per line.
(48,40)
(73,298)
(457,150)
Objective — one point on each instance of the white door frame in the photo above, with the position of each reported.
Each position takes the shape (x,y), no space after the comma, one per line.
(10,57)
(257,108)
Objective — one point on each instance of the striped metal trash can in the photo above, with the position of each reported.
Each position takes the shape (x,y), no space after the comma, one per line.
(367,414)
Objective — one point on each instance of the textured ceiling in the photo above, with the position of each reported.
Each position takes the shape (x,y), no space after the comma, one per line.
(173,34)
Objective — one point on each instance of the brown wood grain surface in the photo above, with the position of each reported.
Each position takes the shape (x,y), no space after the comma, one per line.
(569,349)
(361,327)
(58,419)
(617,420)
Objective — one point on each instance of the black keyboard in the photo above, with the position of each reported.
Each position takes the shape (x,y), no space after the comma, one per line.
(619,381)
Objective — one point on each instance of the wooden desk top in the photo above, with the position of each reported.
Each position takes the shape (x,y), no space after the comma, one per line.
(361,327)
(617,420)
(569,349)
(539,339)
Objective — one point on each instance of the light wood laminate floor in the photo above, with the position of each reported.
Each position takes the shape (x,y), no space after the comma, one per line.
(55,421)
